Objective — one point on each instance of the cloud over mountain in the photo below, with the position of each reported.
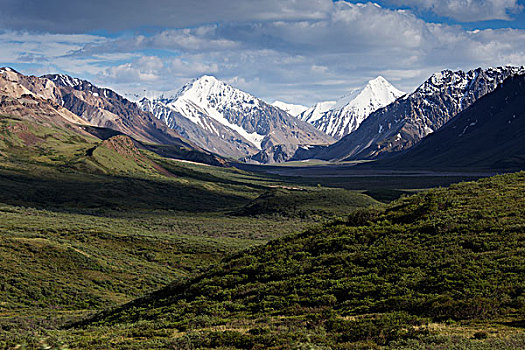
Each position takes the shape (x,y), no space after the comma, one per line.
(296,51)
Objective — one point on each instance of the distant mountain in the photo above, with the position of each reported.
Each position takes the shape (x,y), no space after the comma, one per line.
(403,123)
(346,114)
(33,99)
(228,121)
(489,134)
(291,109)
(77,105)
(105,108)
(314,113)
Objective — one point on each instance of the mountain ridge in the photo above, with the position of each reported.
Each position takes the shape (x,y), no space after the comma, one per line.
(226,120)
(292,109)
(104,107)
(79,105)
(406,121)
(488,134)
(348,112)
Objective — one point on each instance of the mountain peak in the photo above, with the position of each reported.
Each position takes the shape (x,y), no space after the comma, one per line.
(65,80)
(345,115)
(205,81)
(207,78)
(292,109)
(8,69)
(377,92)
(378,80)
(206,88)
(380,83)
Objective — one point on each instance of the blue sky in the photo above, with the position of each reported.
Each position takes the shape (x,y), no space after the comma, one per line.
(297,51)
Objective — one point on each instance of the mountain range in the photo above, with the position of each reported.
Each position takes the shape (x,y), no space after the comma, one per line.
(488,134)
(406,121)
(74,104)
(207,118)
(344,116)
(228,121)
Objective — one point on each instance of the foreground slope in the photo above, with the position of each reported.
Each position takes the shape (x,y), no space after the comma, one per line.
(489,134)
(378,276)
(87,224)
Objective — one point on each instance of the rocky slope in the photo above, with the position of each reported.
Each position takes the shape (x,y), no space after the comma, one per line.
(230,122)
(105,108)
(345,115)
(78,105)
(31,98)
(406,121)
(488,134)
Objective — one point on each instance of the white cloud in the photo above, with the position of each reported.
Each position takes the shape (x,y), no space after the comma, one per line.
(467,10)
(300,60)
(18,44)
(67,16)
(146,69)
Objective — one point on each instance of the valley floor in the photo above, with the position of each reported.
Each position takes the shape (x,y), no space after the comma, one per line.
(73,243)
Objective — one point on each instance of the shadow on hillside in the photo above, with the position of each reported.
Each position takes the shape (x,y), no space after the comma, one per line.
(517,324)
(97,193)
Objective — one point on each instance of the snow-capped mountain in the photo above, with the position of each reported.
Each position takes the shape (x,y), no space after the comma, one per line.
(403,123)
(105,108)
(291,109)
(346,114)
(314,113)
(228,121)
(487,135)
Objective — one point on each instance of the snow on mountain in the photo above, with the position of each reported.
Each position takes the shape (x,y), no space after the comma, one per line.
(228,121)
(212,97)
(291,109)
(403,123)
(346,114)
(65,80)
(314,113)
(486,135)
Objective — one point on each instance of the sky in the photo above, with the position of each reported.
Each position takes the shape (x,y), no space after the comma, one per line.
(297,51)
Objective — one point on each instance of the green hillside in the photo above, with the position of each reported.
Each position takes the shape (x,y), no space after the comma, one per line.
(452,256)
(87,224)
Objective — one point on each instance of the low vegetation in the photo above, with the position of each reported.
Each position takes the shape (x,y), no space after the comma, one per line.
(88,224)
(377,278)
(244,260)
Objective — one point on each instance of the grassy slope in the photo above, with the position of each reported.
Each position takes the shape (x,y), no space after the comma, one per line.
(381,276)
(86,224)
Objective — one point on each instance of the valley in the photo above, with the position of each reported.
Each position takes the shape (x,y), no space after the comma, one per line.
(194,222)
(69,256)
